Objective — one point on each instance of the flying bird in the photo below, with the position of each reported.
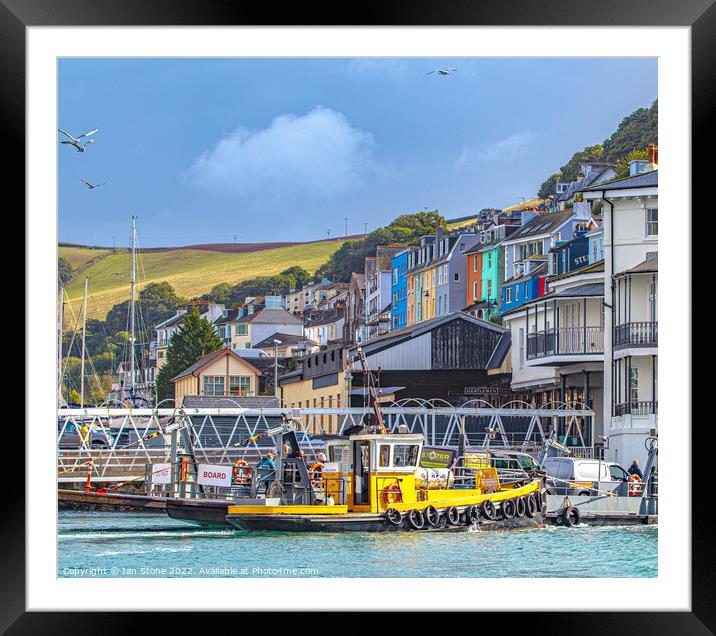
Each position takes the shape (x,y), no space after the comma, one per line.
(443,71)
(75,141)
(92,186)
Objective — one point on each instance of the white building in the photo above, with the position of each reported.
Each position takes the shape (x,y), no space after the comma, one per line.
(378,290)
(630,218)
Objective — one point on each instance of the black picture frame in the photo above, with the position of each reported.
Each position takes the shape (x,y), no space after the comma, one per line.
(700,15)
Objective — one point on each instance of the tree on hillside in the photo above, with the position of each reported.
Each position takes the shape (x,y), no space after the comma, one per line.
(623,163)
(193,341)
(350,256)
(64,271)
(299,275)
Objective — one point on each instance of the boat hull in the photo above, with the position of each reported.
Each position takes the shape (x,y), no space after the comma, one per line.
(203,512)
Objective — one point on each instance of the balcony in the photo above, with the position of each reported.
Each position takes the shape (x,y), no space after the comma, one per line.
(636,334)
(578,343)
(636,408)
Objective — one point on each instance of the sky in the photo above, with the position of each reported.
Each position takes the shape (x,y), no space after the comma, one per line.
(253,150)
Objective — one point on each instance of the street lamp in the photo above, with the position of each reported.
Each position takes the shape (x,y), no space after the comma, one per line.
(276,343)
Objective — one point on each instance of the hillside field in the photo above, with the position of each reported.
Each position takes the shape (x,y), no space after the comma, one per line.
(191,272)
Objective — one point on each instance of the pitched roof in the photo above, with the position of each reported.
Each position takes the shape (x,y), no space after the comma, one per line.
(245,402)
(271,316)
(541,224)
(286,339)
(200,364)
(585,290)
(647,266)
(326,319)
(643,180)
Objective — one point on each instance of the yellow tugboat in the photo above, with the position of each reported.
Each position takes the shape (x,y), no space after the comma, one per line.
(374,482)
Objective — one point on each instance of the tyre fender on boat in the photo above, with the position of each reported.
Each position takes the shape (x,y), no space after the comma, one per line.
(520,507)
(432,516)
(508,509)
(488,510)
(570,517)
(472,515)
(393,517)
(531,503)
(452,514)
(416,520)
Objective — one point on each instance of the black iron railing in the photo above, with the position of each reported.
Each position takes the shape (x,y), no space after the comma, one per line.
(565,341)
(636,408)
(636,334)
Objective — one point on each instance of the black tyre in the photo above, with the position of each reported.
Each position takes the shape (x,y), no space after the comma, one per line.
(508,509)
(570,517)
(472,515)
(488,510)
(416,520)
(520,507)
(432,516)
(531,509)
(452,515)
(393,517)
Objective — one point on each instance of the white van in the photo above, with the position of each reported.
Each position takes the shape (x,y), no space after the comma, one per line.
(578,476)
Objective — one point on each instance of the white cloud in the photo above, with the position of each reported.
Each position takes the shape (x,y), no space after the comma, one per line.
(507,148)
(318,154)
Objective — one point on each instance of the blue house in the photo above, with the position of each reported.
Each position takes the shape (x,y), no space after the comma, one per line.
(568,256)
(518,291)
(399,289)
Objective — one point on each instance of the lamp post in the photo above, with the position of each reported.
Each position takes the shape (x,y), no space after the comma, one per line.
(276,343)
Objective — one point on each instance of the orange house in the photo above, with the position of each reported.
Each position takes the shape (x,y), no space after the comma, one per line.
(474,275)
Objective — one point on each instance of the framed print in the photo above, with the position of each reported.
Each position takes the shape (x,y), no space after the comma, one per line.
(358,317)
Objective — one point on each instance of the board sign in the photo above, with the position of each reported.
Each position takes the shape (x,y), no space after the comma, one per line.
(331,467)
(476,459)
(437,457)
(161,473)
(214,475)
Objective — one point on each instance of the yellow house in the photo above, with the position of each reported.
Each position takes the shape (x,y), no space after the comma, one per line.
(219,374)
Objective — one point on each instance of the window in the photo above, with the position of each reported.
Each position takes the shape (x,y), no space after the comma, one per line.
(457,276)
(508,295)
(652,221)
(474,263)
(239,385)
(384,456)
(242,329)
(527,289)
(522,347)
(474,290)
(214,385)
(489,259)
(405,455)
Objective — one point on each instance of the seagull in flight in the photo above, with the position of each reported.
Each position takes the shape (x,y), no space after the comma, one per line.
(75,141)
(92,186)
(443,71)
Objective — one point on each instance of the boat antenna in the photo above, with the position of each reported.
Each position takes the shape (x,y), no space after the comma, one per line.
(82,364)
(131,314)
(371,393)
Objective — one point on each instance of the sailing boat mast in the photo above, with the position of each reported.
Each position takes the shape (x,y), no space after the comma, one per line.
(131,314)
(60,327)
(82,365)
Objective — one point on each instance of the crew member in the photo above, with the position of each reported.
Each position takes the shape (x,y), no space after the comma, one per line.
(635,470)
(266,468)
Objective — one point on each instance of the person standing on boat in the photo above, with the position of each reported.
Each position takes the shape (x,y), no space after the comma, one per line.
(635,470)
(266,468)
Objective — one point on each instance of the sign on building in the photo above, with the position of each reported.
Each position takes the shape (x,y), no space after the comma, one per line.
(214,475)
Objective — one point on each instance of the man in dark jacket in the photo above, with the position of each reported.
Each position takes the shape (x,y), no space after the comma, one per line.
(635,470)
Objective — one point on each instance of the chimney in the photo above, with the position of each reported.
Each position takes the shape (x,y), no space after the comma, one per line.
(439,229)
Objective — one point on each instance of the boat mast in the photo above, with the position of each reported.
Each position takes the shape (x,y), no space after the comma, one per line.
(82,365)
(131,315)
(59,343)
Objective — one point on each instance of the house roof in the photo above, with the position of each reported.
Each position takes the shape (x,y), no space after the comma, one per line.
(537,271)
(585,290)
(200,364)
(271,316)
(648,266)
(245,402)
(325,319)
(287,339)
(541,224)
(643,180)
(171,320)
(501,351)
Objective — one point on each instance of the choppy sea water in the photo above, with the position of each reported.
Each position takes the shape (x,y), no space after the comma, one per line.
(122,544)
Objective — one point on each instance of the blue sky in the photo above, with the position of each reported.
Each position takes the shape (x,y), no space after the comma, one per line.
(284,149)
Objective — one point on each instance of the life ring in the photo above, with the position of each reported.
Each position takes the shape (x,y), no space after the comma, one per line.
(531,510)
(570,517)
(488,510)
(520,507)
(452,514)
(432,516)
(241,473)
(472,515)
(316,469)
(636,485)
(416,520)
(392,494)
(394,517)
(508,509)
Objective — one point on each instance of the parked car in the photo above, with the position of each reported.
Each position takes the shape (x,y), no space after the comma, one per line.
(70,437)
(579,476)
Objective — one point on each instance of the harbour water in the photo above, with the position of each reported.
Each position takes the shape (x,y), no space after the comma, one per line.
(133,544)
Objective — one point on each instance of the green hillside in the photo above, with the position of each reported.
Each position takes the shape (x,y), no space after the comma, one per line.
(191,272)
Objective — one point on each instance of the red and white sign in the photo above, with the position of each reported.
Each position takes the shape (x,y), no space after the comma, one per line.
(214,475)
(161,473)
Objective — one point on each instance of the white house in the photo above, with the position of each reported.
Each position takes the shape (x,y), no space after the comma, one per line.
(631,273)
